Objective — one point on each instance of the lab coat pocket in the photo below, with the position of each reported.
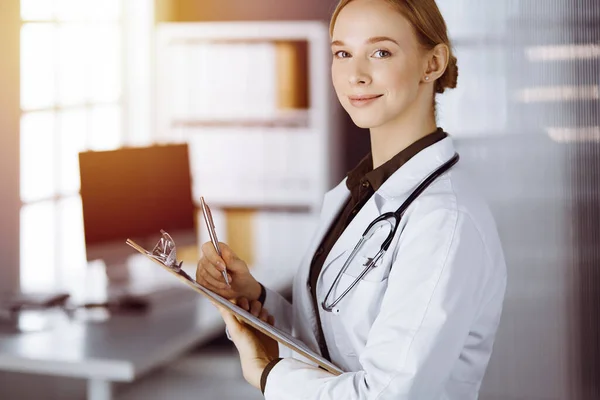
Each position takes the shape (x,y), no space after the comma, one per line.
(353,317)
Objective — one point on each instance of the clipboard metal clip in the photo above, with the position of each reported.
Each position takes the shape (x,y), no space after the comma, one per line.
(166,252)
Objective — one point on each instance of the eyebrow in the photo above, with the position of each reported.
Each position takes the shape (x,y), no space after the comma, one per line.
(372,40)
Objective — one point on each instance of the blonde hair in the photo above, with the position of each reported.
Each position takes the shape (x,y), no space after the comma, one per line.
(430,28)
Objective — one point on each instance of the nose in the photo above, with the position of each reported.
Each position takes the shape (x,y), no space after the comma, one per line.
(359,74)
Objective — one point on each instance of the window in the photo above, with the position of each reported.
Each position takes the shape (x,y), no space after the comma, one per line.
(73,98)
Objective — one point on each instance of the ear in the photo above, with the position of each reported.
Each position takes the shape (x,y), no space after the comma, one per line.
(437,62)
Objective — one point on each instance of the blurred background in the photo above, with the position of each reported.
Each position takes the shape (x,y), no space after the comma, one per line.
(117,115)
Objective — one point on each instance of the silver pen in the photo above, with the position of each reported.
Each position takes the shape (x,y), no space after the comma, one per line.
(212,233)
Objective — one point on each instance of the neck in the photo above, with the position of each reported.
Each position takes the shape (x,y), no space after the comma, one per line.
(390,139)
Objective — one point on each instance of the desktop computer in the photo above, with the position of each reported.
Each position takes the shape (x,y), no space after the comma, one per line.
(134,193)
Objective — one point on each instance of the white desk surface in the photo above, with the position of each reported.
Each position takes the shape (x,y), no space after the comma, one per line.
(119,349)
(123,347)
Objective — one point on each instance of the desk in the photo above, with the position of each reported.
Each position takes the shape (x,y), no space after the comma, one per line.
(122,348)
(118,350)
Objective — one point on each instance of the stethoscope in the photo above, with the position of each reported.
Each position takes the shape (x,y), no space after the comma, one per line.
(389,219)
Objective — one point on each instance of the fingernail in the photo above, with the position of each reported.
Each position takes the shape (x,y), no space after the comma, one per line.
(229,278)
(221,266)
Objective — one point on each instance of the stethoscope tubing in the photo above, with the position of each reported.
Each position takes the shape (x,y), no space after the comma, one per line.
(397,215)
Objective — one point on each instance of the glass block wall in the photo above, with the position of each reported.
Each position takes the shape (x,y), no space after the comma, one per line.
(526,118)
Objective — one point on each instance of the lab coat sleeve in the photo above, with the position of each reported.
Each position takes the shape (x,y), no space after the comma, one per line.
(279,308)
(436,287)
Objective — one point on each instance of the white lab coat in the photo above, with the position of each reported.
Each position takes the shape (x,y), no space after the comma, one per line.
(421,325)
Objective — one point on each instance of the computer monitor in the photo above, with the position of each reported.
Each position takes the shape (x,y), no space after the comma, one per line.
(134,193)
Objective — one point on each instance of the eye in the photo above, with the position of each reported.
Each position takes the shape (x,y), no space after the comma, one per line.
(382,53)
(341,54)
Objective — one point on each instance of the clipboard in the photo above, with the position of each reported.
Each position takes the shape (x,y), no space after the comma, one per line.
(275,333)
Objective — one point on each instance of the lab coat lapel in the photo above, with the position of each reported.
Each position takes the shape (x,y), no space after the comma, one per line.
(406,179)
(332,203)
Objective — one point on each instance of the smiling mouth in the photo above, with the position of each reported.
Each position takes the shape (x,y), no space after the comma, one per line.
(365,97)
(358,101)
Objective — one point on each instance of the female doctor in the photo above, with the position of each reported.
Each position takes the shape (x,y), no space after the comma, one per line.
(411,312)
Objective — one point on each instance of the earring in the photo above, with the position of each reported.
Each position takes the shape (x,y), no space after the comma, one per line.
(426,78)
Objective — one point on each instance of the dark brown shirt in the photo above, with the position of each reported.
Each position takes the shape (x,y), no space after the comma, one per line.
(363,181)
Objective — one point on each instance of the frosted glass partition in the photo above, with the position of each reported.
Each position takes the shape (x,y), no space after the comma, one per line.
(526,119)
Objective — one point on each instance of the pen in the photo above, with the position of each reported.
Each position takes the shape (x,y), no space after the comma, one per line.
(212,233)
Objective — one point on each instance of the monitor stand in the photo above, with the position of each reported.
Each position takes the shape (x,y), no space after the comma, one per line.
(118,275)
(140,284)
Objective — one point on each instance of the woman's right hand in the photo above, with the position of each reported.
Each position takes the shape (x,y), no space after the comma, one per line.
(209,273)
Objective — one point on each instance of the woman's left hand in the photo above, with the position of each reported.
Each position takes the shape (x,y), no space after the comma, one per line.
(256,349)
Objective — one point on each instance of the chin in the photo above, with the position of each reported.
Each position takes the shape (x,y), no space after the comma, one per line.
(366,122)
(363,125)
(367,118)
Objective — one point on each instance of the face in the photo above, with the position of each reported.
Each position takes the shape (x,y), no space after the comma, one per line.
(377,62)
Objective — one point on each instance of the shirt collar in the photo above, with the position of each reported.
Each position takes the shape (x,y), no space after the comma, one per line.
(376,177)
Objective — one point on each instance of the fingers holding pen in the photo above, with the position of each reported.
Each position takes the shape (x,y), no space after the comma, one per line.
(209,280)
(210,269)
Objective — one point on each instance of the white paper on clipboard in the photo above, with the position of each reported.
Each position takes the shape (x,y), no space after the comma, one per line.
(269,330)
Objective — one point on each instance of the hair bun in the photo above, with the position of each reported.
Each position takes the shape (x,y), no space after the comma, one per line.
(449,79)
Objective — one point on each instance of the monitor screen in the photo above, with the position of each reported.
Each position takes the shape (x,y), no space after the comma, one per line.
(134,193)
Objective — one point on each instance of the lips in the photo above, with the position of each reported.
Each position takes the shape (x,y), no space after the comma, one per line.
(363,100)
